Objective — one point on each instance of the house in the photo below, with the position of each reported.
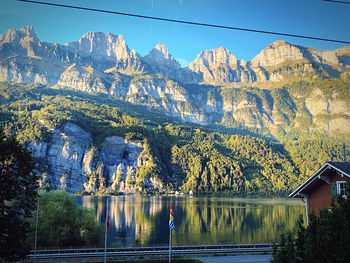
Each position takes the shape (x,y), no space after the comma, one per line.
(321,188)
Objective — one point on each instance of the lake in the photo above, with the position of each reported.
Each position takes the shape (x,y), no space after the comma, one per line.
(137,220)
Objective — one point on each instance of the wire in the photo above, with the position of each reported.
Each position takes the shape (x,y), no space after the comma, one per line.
(337,2)
(186,22)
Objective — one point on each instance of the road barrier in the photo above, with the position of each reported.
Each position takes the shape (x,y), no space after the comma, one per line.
(96,254)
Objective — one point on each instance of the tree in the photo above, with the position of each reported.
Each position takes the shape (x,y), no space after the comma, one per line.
(18,193)
(63,223)
(326,239)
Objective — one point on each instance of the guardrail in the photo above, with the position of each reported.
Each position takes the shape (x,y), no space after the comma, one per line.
(96,254)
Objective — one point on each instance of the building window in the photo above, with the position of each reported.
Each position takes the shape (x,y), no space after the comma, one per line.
(341,188)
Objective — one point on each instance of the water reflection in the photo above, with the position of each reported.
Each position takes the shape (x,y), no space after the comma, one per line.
(143,220)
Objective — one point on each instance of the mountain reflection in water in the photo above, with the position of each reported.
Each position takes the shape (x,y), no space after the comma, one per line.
(143,220)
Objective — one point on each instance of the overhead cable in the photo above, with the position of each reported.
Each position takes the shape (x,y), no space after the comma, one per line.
(337,2)
(186,22)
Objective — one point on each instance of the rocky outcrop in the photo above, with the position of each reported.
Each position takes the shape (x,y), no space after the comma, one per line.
(164,95)
(103,63)
(70,161)
(29,70)
(277,53)
(19,42)
(329,115)
(64,155)
(24,58)
(101,46)
(85,79)
(282,61)
(161,60)
(343,55)
(220,66)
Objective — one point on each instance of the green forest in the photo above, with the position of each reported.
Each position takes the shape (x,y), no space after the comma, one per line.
(183,156)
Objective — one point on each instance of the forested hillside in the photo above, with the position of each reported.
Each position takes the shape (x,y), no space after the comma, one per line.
(181,157)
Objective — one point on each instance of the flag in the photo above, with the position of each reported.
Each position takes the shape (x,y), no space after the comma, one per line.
(171,220)
(107,227)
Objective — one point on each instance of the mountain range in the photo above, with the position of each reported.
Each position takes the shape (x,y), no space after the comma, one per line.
(280,91)
(99,117)
(24,58)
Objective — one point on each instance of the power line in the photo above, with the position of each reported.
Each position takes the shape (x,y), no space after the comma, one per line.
(337,2)
(186,22)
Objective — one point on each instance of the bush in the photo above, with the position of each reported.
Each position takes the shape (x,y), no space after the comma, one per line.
(63,223)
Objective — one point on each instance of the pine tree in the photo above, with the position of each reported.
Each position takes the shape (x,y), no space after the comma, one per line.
(325,239)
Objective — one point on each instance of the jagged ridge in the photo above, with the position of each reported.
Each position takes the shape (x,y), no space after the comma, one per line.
(103,63)
(109,52)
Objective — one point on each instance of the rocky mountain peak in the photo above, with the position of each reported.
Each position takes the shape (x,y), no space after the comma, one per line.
(9,36)
(23,41)
(210,59)
(101,45)
(278,43)
(220,66)
(276,53)
(163,49)
(159,54)
(214,57)
(161,60)
(343,51)
(106,52)
(12,35)
(29,31)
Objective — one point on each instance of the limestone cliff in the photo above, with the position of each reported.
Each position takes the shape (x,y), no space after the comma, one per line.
(103,63)
(24,58)
(220,66)
(69,160)
(282,61)
(84,79)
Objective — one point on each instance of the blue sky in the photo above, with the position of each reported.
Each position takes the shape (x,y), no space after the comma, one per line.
(304,17)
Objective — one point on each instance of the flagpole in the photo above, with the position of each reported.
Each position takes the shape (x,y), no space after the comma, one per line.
(171,226)
(169,245)
(36,230)
(106,232)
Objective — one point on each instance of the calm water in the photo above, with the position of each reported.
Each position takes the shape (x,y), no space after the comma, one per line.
(143,220)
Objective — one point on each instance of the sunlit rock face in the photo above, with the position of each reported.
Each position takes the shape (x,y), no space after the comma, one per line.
(84,79)
(161,59)
(24,58)
(220,66)
(276,53)
(100,45)
(64,155)
(209,91)
(71,162)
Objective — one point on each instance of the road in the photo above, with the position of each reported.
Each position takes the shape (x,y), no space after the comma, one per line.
(237,259)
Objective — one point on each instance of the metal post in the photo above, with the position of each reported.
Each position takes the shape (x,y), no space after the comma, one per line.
(307,208)
(106,232)
(169,245)
(36,230)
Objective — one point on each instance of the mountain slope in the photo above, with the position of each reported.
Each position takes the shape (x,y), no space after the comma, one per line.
(90,143)
(286,91)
